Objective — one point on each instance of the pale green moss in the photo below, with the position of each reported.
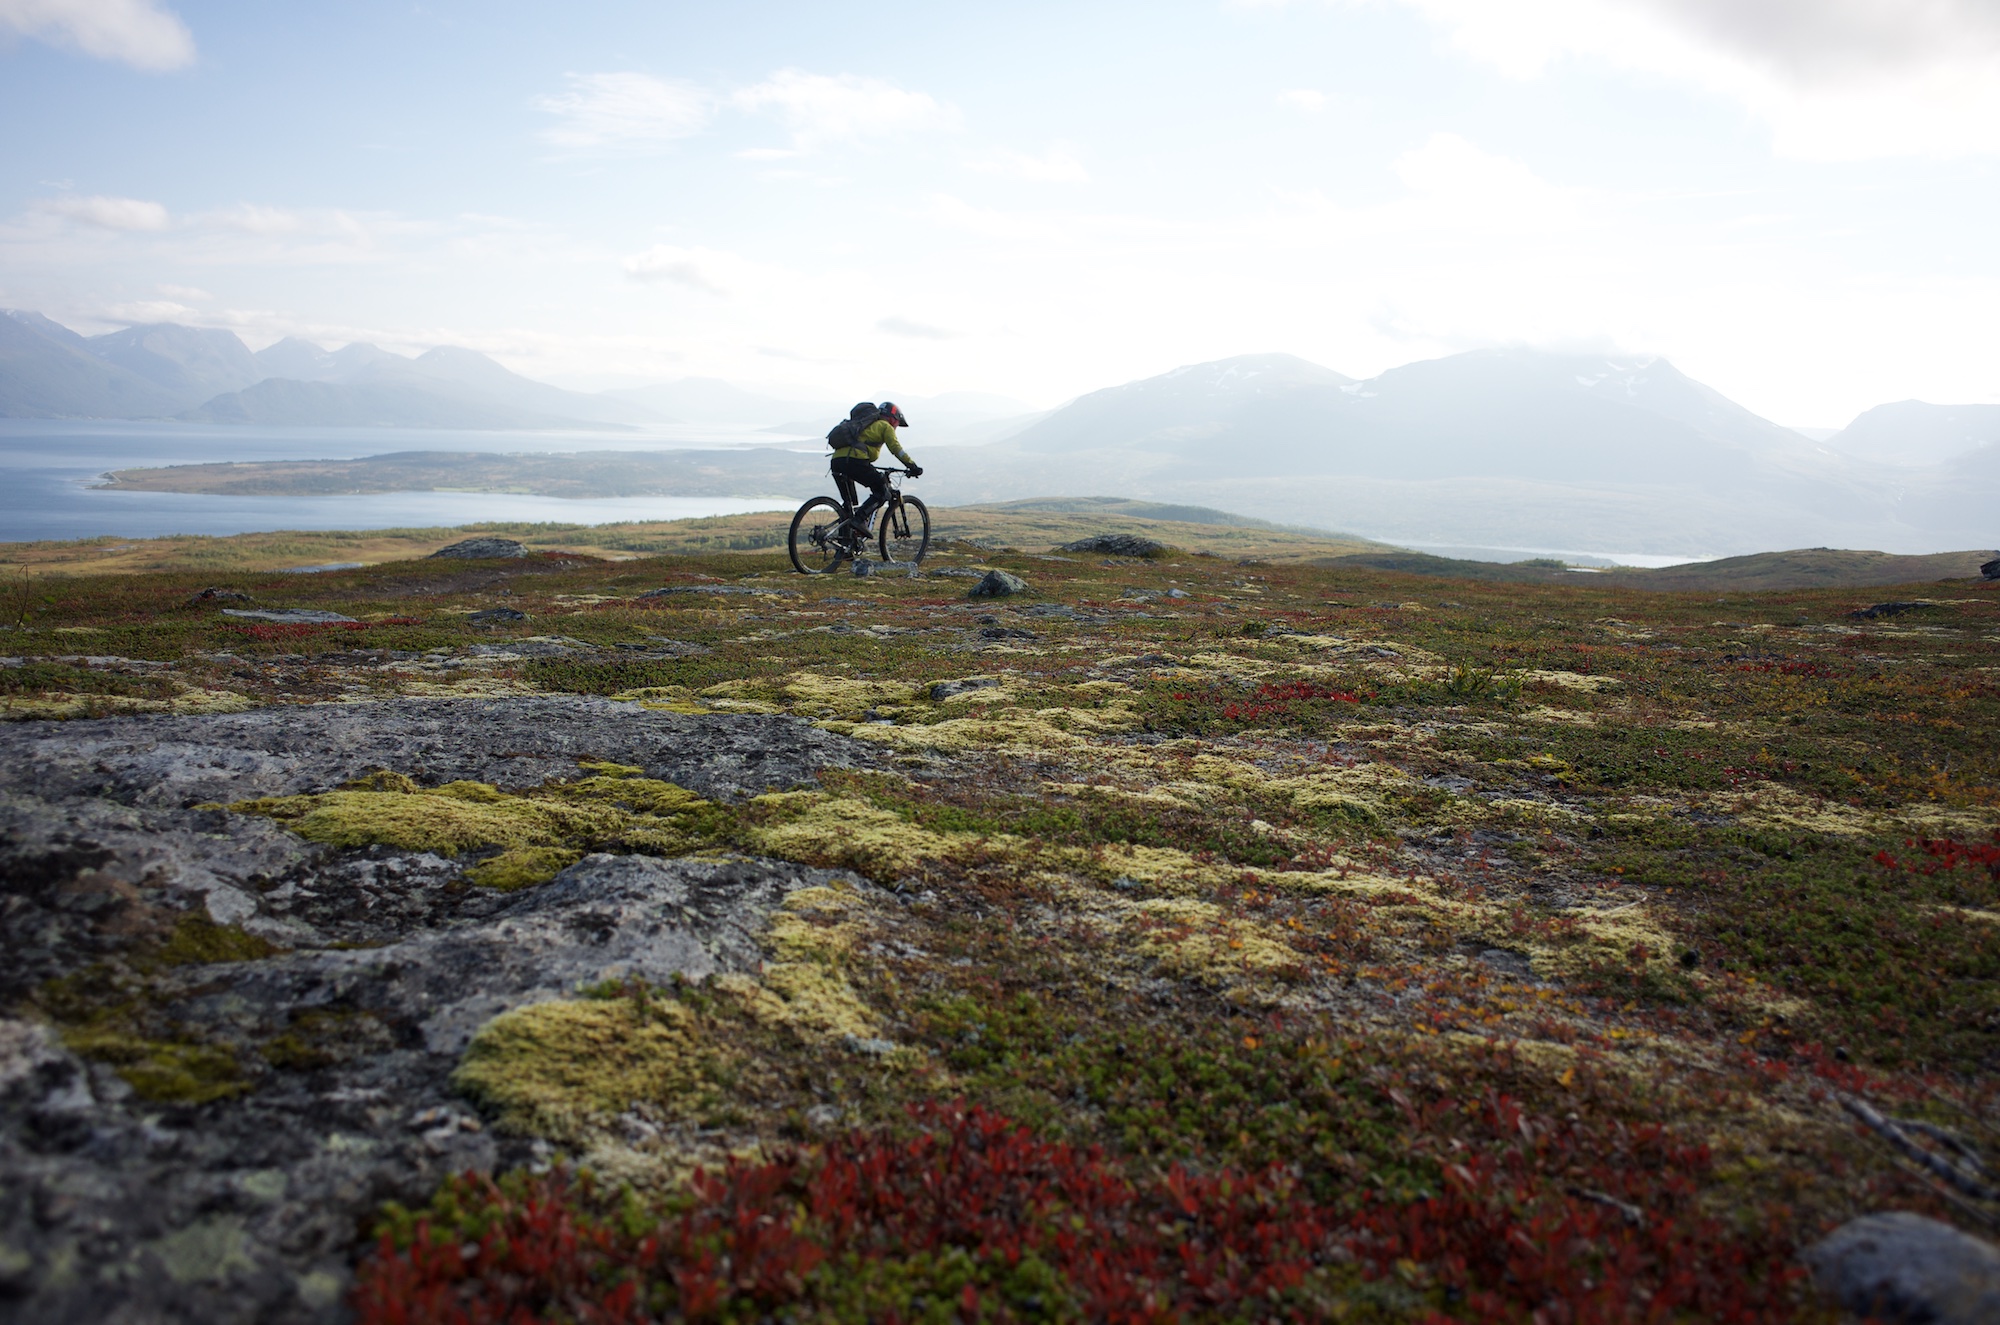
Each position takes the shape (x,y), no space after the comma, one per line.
(560,1069)
(199,941)
(540,832)
(521,867)
(804,987)
(835,832)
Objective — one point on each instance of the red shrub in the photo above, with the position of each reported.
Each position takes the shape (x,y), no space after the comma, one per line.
(1947,854)
(1538,1221)
(1275,699)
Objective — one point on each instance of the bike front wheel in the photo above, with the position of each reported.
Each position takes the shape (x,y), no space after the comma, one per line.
(815,540)
(906,531)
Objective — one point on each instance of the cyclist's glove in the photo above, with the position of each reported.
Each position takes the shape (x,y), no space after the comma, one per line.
(916,471)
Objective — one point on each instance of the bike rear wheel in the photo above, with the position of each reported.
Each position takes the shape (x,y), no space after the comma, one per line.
(906,531)
(816,538)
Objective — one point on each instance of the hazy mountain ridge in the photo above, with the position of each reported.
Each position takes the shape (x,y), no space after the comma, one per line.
(1502,447)
(43,376)
(1911,433)
(206,375)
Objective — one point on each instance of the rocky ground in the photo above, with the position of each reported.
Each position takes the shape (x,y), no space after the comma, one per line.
(1449,919)
(269,1025)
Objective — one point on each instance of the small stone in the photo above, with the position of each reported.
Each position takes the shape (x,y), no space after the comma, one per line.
(1508,963)
(873,1048)
(289,616)
(482,549)
(944,690)
(1876,610)
(1006,632)
(1118,545)
(1902,1267)
(494,616)
(998,584)
(214,595)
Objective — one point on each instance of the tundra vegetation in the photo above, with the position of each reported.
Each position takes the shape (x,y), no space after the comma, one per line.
(1226,939)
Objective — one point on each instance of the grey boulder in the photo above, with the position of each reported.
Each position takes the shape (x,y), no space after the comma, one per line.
(998,584)
(1118,545)
(1901,1267)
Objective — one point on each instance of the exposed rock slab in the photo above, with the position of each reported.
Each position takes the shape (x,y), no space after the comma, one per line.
(1118,545)
(515,742)
(482,549)
(245,1208)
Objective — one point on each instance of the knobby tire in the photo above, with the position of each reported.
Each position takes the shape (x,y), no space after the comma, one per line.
(814,542)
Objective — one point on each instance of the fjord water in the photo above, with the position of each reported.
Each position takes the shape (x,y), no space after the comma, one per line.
(48,469)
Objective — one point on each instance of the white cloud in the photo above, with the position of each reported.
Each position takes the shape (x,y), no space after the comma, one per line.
(694,268)
(902,326)
(820,109)
(1058,165)
(145,312)
(107,213)
(1450,171)
(624,110)
(1834,79)
(1814,40)
(1302,98)
(135,32)
(186,294)
(257,220)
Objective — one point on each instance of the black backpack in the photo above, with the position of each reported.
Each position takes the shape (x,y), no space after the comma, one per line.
(848,431)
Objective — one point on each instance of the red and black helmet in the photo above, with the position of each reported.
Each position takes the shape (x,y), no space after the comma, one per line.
(892,414)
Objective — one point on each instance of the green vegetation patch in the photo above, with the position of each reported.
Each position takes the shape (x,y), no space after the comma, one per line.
(538,833)
(559,1069)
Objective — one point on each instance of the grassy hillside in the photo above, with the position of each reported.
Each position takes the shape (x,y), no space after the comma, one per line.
(1030,525)
(1521,941)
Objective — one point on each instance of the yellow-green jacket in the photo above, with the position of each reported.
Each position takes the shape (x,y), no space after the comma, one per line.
(874,437)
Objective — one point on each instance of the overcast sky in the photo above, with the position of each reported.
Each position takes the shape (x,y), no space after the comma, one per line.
(1794,200)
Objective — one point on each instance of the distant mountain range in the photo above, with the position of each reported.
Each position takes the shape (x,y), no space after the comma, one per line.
(1494,448)
(1517,449)
(168,371)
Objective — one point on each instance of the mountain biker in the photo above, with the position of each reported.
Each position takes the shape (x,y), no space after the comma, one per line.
(855,463)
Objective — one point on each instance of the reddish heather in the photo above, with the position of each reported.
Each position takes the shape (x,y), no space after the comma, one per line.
(1538,1221)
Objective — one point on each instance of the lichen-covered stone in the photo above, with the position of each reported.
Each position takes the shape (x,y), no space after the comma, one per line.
(482,549)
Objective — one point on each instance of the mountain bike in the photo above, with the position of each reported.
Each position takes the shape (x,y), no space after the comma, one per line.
(825,531)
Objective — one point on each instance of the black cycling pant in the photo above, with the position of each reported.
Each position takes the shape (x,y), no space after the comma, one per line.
(850,471)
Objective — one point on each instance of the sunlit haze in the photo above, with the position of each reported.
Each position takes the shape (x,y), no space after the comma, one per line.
(1791,199)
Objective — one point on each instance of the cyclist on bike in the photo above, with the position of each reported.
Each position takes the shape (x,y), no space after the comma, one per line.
(855,463)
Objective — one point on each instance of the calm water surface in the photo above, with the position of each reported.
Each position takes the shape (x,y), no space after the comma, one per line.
(48,467)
